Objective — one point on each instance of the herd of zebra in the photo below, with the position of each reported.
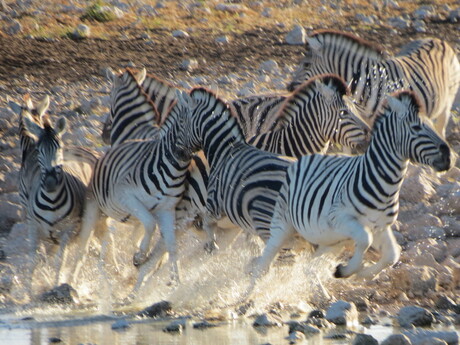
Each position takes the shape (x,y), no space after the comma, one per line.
(178,160)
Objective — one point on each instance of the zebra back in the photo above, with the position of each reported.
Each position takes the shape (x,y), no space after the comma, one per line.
(132,114)
(257,114)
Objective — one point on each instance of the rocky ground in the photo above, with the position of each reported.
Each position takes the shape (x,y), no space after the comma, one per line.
(191,49)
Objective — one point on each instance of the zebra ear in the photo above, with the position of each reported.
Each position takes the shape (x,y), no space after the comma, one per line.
(110,75)
(140,76)
(16,108)
(60,125)
(184,98)
(397,106)
(43,105)
(314,45)
(31,126)
(327,91)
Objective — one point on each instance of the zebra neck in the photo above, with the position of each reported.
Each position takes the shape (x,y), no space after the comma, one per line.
(220,136)
(384,162)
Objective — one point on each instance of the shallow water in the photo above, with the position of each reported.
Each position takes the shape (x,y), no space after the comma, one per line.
(209,283)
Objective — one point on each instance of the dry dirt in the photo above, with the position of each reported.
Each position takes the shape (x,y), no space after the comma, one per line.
(52,62)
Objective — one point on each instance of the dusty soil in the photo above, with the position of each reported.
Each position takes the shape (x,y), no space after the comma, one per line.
(52,62)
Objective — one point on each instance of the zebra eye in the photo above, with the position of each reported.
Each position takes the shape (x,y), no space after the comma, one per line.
(416,128)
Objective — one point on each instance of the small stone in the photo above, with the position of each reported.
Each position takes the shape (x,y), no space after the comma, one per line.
(180,34)
(297,36)
(342,313)
(399,23)
(295,337)
(63,294)
(82,31)
(204,324)
(160,309)
(267,320)
(418,335)
(120,325)
(269,66)
(396,339)
(304,327)
(364,339)
(14,28)
(233,8)
(445,303)
(267,12)
(416,316)
(222,39)
(177,326)
(189,65)
(54,340)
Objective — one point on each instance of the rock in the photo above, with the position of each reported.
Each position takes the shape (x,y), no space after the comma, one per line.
(364,339)
(454,15)
(445,303)
(451,226)
(433,341)
(423,12)
(222,39)
(416,316)
(267,12)
(14,28)
(179,34)
(420,26)
(418,336)
(63,294)
(304,327)
(399,23)
(233,8)
(418,280)
(160,309)
(82,31)
(204,324)
(176,326)
(189,65)
(297,36)
(342,313)
(121,324)
(436,248)
(295,337)
(396,339)
(267,320)
(269,66)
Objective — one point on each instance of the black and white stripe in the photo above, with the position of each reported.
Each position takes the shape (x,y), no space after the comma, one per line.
(52,181)
(331,199)
(143,180)
(429,67)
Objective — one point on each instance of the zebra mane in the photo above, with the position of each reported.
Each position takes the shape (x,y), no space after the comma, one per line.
(408,98)
(151,86)
(347,40)
(132,73)
(285,116)
(232,115)
(413,46)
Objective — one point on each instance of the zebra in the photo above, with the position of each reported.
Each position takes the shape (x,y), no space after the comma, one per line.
(429,67)
(143,180)
(53,182)
(331,199)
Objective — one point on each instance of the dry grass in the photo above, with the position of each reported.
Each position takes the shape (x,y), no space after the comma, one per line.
(181,15)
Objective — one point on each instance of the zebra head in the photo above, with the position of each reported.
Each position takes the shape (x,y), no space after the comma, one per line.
(49,149)
(412,133)
(341,123)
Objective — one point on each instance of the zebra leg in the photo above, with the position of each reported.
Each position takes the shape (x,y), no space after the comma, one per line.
(149,267)
(363,239)
(32,264)
(166,223)
(210,227)
(91,215)
(137,209)
(385,242)
(281,231)
(62,256)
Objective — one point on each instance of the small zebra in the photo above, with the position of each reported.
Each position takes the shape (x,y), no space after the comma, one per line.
(429,67)
(331,199)
(143,180)
(52,182)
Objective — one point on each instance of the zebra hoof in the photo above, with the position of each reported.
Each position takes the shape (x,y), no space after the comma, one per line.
(139,258)
(339,271)
(210,247)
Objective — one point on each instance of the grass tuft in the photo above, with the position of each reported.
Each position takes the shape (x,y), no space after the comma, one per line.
(97,13)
